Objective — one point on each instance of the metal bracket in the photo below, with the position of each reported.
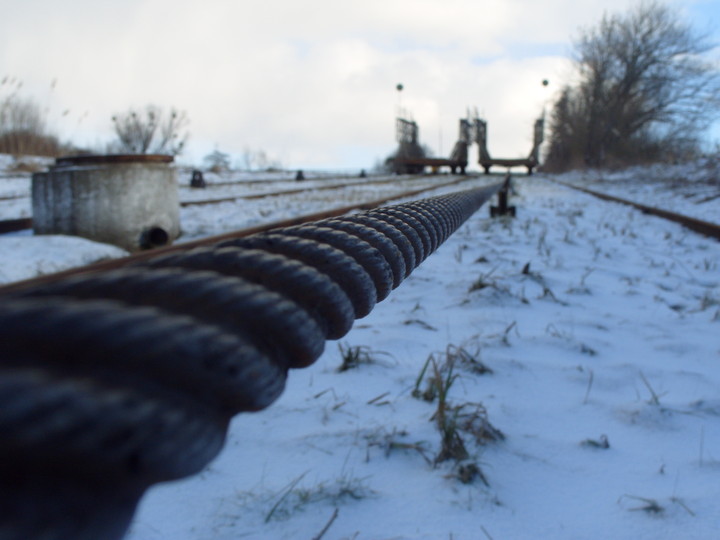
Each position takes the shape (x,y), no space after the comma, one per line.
(502,208)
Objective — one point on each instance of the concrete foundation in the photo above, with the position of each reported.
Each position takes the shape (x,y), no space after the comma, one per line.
(130,201)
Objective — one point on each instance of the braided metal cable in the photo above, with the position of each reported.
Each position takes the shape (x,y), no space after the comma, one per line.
(113,381)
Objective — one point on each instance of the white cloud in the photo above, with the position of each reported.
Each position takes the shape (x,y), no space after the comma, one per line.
(310,82)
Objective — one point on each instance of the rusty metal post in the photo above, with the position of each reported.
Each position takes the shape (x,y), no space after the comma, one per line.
(502,208)
(197,180)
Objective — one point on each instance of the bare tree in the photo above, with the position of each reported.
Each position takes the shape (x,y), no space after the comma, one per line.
(217,161)
(248,158)
(23,127)
(644,89)
(152,131)
(568,131)
(259,160)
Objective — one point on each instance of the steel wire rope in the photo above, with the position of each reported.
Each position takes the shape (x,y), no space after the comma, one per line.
(113,381)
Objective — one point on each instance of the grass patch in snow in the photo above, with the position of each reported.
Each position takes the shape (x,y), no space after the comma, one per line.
(601,443)
(295,496)
(396,441)
(458,424)
(354,356)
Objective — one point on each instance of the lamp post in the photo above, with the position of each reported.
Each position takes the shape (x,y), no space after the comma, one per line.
(399,87)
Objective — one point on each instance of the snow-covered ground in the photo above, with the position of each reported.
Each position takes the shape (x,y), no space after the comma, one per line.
(685,189)
(600,327)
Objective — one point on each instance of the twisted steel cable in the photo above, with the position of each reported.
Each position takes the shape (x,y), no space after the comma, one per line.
(113,381)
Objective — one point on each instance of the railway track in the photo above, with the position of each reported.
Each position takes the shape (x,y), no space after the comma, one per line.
(293,191)
(308,177)
(703,227)
(149,358)
(246,183)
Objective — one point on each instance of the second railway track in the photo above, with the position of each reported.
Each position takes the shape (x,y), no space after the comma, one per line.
(700,226)
(291,191)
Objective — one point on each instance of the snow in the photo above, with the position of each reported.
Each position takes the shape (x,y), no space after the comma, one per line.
(202,221)
(598,323)
(24,256)
(685,189)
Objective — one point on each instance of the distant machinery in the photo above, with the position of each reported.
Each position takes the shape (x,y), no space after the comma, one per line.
(532,161)
(459,153)
(410,157)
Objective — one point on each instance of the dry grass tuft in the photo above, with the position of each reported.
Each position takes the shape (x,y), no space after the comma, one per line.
(357,355)
(601,443)
(456,422)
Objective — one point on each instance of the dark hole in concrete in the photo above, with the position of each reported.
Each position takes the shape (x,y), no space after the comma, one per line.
(154,237)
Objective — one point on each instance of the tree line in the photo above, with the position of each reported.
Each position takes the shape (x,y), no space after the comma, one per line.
(23,125)
(645,92)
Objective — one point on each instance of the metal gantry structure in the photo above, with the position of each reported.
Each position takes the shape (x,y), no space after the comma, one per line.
(410,156)
(487,162)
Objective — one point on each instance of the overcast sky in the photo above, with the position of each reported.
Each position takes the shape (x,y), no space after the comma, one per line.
(310,82)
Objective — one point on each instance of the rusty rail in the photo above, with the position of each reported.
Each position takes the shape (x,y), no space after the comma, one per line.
(308,176)
(13,225)
(703,227)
